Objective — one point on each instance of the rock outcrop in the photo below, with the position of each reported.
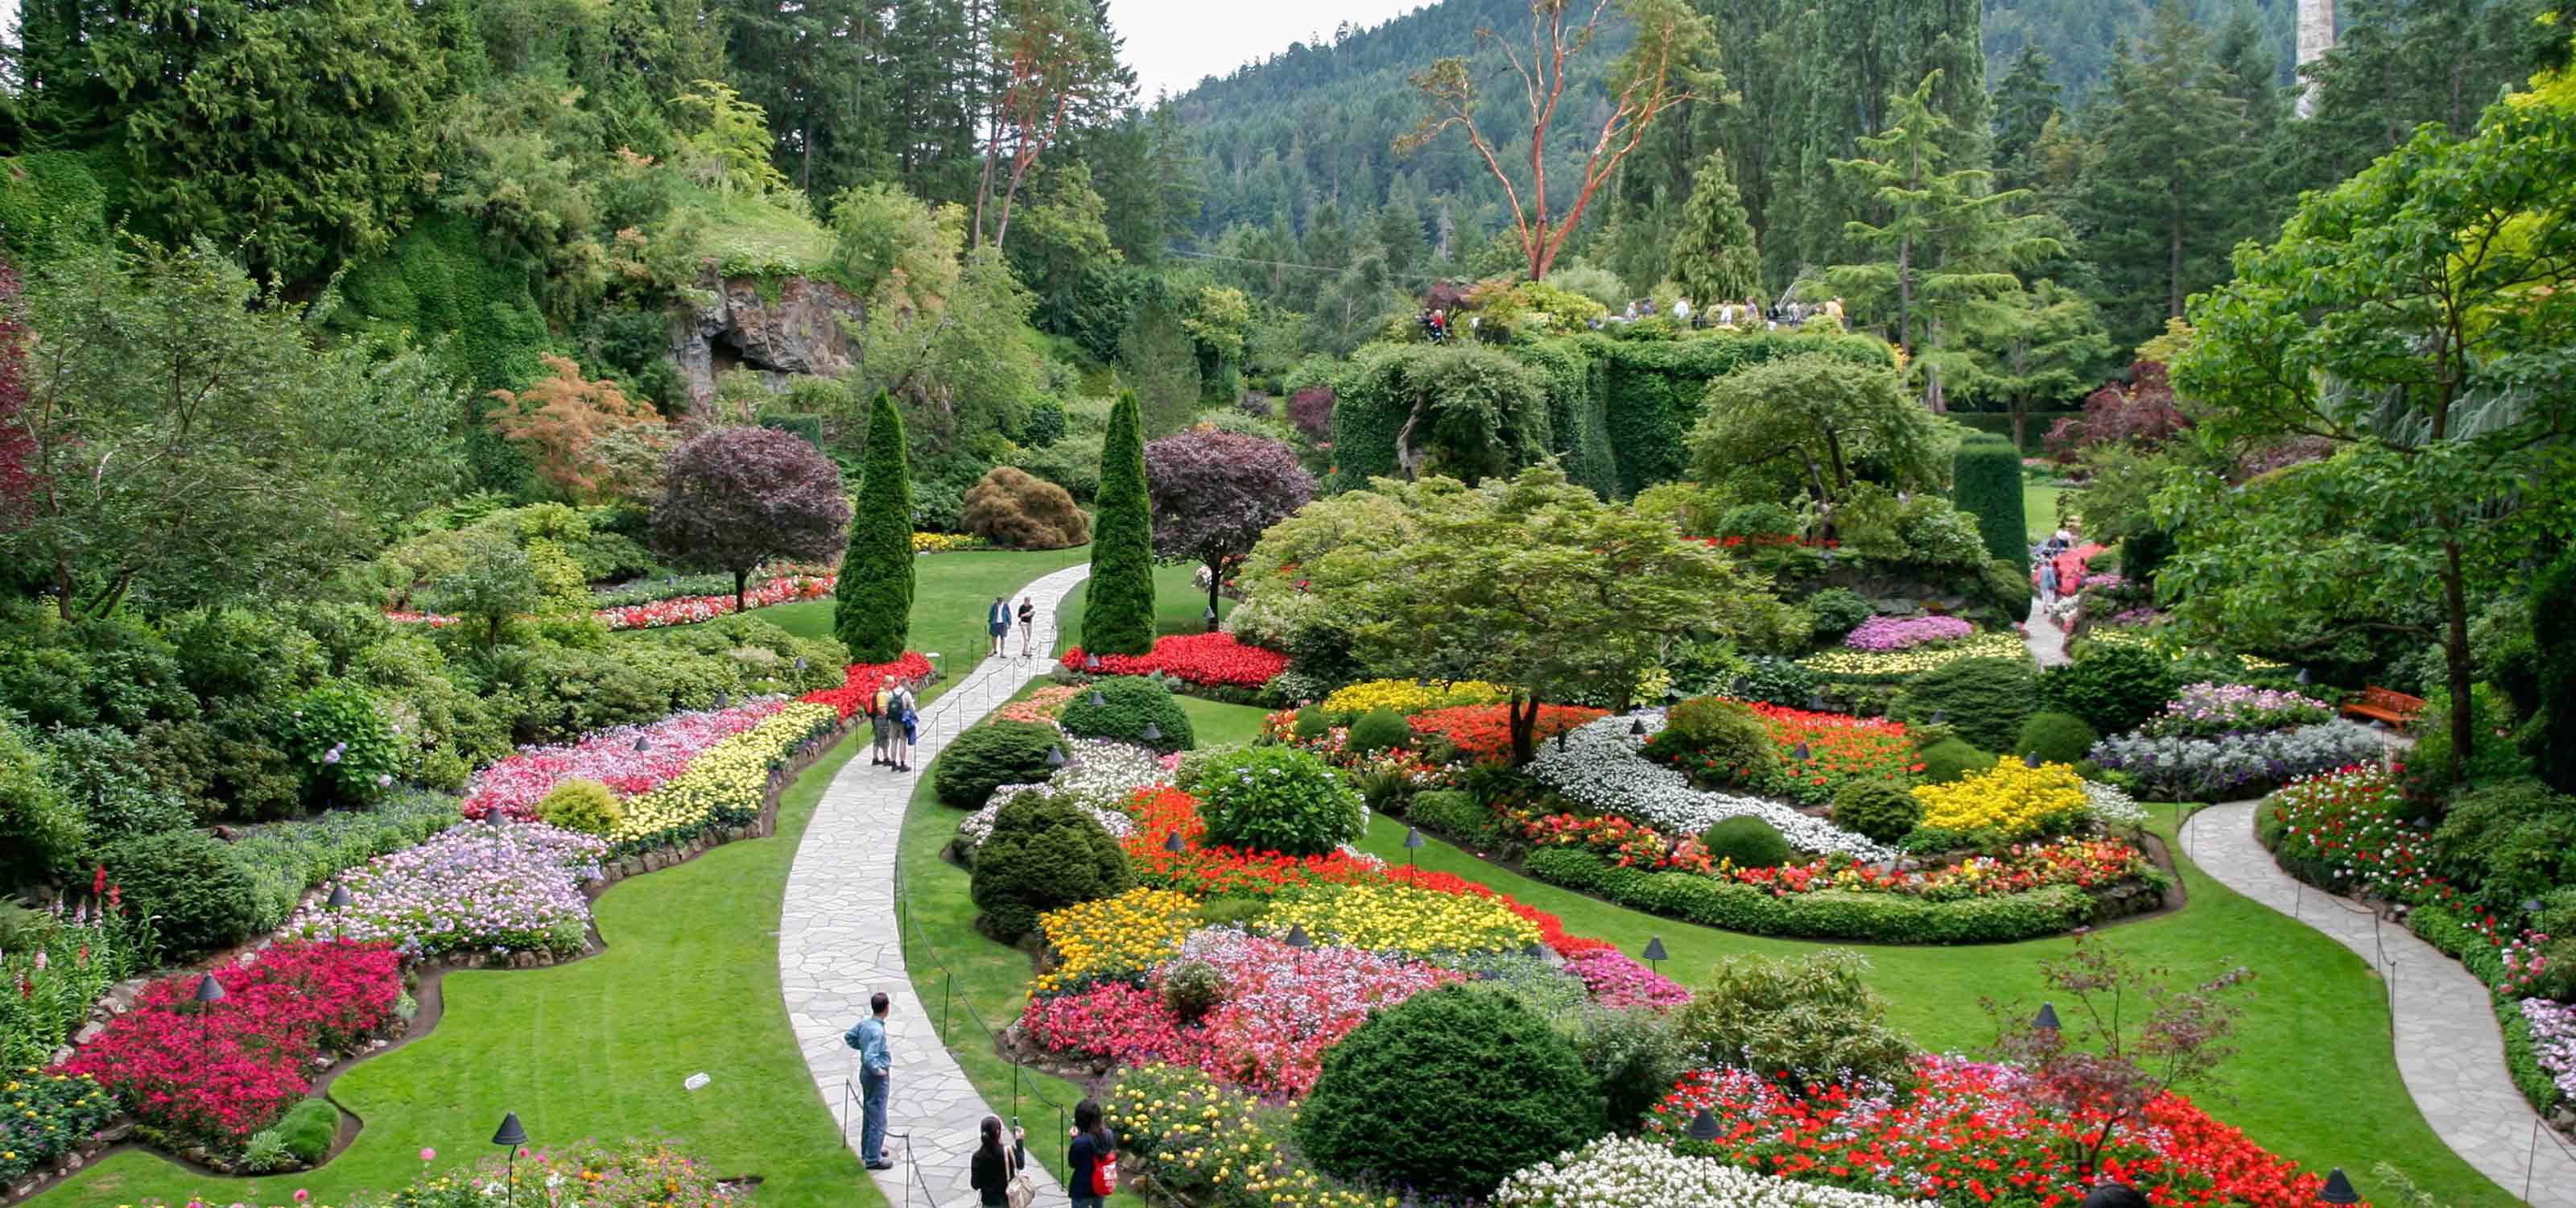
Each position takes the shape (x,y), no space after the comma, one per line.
(790,326)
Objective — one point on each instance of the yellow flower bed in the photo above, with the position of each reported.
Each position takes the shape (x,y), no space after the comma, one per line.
(1203,1144)
(2010,798)
(1411,696)
(724,782)
(942,543)
(1400,918)
(1894,664)
(1133,931)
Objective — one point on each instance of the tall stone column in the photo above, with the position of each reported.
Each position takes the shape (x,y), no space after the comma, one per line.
(2316,37)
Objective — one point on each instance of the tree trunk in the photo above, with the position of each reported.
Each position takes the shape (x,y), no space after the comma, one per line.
(1524,726)
(2455,654)
(2020,423)
(1216,580)
(740,579)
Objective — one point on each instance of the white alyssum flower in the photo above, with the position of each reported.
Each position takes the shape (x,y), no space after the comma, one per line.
(1630,1172)
(2112,806)
(1600,766)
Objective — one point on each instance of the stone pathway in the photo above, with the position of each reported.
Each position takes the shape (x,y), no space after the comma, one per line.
(837,944)
(2449,1049)
(2047,641)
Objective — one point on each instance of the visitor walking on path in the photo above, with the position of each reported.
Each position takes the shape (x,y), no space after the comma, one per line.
(2048,581)
(902,718)
(997,619)
(1093,1158)
(1028,625)
(876,1068)
(995,1168)
(881,727)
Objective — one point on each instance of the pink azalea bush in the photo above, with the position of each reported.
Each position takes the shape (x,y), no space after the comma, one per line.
(518,783)
(1882,634)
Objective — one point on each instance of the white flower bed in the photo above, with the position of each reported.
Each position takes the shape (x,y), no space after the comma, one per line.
(1097,775)
(1627,1172)
(1600,766)
(978,826)
(2113,807)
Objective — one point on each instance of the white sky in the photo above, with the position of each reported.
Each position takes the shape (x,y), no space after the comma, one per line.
(1171,43)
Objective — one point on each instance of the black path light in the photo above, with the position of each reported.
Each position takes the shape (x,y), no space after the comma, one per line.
(1533,951)
(1211,620)
(1297,937)
(2030,760)
(1803,753)
(1816,701)
(1172,843)
(1091,662)
(339,903)
(1940,716)
(514,1136)
(209,992)
(1097,700)
(2338,1189)
(1703,1127)
(1055,757)
(642,743)
(1153,733)
(1412,844)
(724,700)
(1655,954)
(2047,1020)
(1637,728)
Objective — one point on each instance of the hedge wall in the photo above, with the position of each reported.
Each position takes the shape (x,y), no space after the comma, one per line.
(1830,914)
(1987,478)
(1578,420)
(1652,389)
(50,204)
(2034,430)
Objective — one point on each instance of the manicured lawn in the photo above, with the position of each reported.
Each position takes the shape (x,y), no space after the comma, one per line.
(594,1049)
(1180,606)
(2038,510)
(2314,1078)
(1214,724)
(950,594)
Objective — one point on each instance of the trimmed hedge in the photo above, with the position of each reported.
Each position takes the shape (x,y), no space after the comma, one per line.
(1118,610)
(989,756)
(1128,704)
(1988,478)
(1830,914)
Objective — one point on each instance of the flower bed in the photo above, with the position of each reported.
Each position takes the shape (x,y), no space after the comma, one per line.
(1409,697)
(1484,732)
(1600,765)
(47,986)
(44,1116)
(474,888)
(2235,765)
(1162,811)
(1551,930)
(2553,1041)
(1839,749)
(1625,843)
(633,1174)
(1887,667)
(2009,800)
(1882,635)
(1214,660)
(1831,912)
(1632,1172)
(2207,710)
(1615,979)
(214,1073)
(860,688)
(1399,918)
(1109,938)
(1039,706)
(2344,831)
(724,786)
(1968,1135)
(1204,1145)
(946,543)
(628,759)
(690,610)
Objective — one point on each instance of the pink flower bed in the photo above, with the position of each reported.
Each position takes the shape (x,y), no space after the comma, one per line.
(517,783)
(689,610)
(1615,979)
(1879,634)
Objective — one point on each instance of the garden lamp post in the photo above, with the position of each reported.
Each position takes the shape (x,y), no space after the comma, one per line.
(1803,753)
(1412,844)
(643,744)
(1055,757)
(209,992)
(1297,937)
(1096,699)
(1153,733)
(2047,1019)
(1211,619)
(1637,728)
(1091,662)
(2030,760)
(2531,906)
(2338,1189)
(724,700)
(513,1136)
(1172,843)
(1533,951)
(339,903)
(1655,953)
(1703,1126)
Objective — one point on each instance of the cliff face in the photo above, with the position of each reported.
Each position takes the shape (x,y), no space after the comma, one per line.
(791,327)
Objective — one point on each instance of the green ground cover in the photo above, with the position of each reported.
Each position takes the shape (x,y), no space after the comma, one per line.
(1180,606)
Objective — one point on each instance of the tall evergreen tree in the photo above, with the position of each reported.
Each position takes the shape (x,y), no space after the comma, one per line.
(1158,360)
(872,607)
(1714,258)
(1118,609)
(2399,63)
(2024,102)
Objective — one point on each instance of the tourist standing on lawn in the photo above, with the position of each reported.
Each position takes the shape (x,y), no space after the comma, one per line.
(993,1167)
(1028,624)
(876,1067)
(997,620)
(1093,1157)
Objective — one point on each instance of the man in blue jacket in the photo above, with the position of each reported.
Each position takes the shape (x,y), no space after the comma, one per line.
(876,1065)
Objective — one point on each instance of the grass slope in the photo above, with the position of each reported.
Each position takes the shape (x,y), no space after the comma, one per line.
(2314,1078)
(951,592)
(1180,606)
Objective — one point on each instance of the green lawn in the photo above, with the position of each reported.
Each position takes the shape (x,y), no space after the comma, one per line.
(2038,510)
(2314,1078)
(1179,605)
(950,594)
(1214,724)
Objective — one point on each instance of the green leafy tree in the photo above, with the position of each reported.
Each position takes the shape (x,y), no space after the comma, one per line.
(1118,610)
(727,146)
(2417,318)
(1810,422)
(2030,347)
(1156,357)
(872,610)
(1713,253)
(492,585)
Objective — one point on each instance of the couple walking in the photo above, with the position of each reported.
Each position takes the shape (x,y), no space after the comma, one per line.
(997,621)
(995,1171)
(894,721)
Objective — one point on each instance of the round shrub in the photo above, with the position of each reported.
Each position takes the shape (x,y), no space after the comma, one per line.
(1017,510)
(1044,855)
(1807,1018)
(1984,700)
(990,756)
(2056,737)
(1311,723)
(1446,1094)
(1774,681)
(1747,841)
(1718,741)
(582,805)
(2113,689)
(1128,704)
(309,1128)
(1378,730)
(1951,759)
(41,830)
(1277,799)
(1756,520)
(198,888)
(1449,812)
(343,747)
(1192,989)
(1838,611)
(1876,809)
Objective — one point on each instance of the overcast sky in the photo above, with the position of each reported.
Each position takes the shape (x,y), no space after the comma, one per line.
(1171,43)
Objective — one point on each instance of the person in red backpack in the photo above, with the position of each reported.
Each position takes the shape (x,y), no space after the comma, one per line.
(1093,1157)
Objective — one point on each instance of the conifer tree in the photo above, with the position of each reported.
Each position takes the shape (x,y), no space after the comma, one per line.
(1118,611)
(872,612)
(1713,253)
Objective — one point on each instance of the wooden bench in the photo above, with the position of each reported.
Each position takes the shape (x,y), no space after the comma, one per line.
(2395,708)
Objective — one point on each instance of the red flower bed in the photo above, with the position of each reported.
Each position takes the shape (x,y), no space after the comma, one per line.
(1840,749)
(1212,659)
(1163,811)
(1484,732)
(855,693)
(1630,844)
(1967,1136)
(216,1073)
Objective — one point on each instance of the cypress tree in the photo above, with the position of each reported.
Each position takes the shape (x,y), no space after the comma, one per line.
(1713,253)
(1987,475)
(872,609)
(1118,613)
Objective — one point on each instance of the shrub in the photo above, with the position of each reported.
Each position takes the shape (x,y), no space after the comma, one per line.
(1877,810)
(1832,914)
(1718,739)
(1016,510)
(872,614)
(1192,989)
(1277,799)
(1748,841)
(342,745)
(1988,478)
(2553,631)
(1128,704)
(1951,759)
(309,1128)
(1311,723)
(1809,1019)
(989,756)
(2432,766)
(1378,730)
(2508,841)
(1775,681)
(581,805)
(1044,854)
(1447,1094)
(199,890)
(1634,1054)
(1755,520)
(1985,700)
(2112,688)
(2056,738)
(1449,812)
(1838,611)
(43,831)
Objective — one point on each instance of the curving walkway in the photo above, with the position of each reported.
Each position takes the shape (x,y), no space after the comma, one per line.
(2047,641)
(2449,1049)
(838,943)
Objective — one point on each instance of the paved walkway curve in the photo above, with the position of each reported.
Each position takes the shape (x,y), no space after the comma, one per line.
(2449,1049)
(2047,641)
(837,941)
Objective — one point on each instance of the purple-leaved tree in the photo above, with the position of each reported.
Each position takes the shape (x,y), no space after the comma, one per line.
(1215,492)
(734,498)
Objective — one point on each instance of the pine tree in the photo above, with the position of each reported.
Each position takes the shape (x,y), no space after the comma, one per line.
(872,610)
(2158,202)
(2024,102)
(1713,253)
(1157,359)
(1118,610)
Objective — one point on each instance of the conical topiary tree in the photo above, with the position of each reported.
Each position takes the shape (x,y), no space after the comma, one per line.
(872,612)
(1118,614)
